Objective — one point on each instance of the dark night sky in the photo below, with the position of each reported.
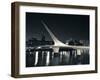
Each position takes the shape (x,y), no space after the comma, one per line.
(63,26)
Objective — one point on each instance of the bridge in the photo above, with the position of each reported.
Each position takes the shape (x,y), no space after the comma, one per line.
(68,50)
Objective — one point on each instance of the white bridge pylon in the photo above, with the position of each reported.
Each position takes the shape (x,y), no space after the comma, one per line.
(56,41)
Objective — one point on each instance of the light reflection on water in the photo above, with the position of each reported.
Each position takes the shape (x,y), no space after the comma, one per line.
(49,58)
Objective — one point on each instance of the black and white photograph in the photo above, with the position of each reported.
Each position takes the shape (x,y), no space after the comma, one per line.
(57,39)
(52,39)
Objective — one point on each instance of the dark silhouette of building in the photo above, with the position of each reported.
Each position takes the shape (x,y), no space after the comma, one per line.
(35,42)
(75,42)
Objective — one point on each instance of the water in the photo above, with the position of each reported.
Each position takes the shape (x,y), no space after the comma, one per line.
(46,57)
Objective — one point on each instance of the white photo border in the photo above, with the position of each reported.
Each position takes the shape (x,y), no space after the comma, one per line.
(54,69)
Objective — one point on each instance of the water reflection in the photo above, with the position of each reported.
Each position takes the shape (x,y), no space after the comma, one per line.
(46,57)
